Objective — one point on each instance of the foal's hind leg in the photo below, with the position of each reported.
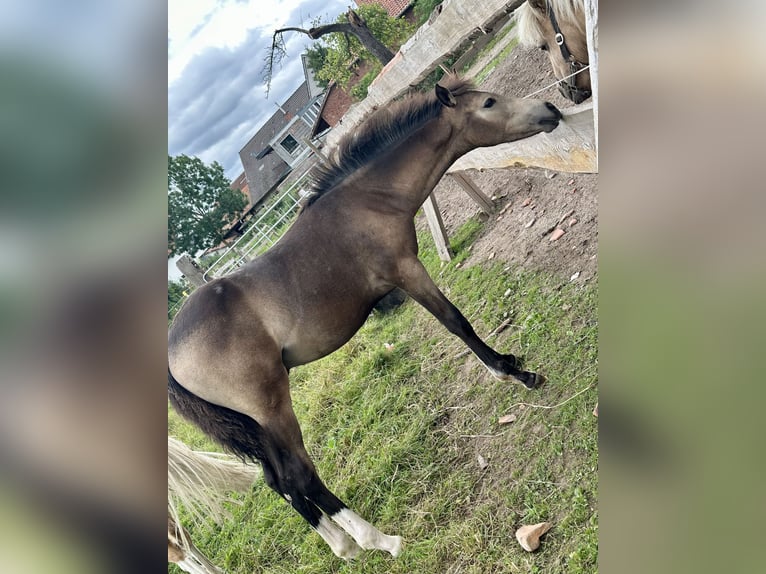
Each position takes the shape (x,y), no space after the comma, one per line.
(414,279)
(364,533)
(290,479)
(288,470)
(297,480)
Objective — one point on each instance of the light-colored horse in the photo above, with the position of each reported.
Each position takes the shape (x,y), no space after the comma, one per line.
(558,27)
(199,481)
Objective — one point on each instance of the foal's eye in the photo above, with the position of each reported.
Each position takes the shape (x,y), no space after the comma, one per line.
(489,102)
(544,47)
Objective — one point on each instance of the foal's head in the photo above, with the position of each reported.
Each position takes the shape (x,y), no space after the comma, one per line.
(483,119)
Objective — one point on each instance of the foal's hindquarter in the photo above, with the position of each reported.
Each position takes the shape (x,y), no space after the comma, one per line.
(234,341)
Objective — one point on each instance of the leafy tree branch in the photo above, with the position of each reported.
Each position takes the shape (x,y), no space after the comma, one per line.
(201,204)
(367,31)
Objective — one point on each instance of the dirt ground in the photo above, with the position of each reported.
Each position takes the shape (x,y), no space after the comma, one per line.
(529,203)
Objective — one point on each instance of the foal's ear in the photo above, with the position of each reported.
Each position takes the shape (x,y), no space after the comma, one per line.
(445,96)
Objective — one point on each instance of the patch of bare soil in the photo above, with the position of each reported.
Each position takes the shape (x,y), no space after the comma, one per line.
(530,206)
(530,203)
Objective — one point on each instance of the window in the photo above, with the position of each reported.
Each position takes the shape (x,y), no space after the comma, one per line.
(289,144)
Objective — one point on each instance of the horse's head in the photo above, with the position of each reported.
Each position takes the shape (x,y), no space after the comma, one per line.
(485,119)
(558,28)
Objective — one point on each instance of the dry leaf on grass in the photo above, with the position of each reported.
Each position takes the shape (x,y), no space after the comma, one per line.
(506,419)
(529,535)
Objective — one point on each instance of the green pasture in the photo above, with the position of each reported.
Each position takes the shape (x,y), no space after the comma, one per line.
(396,421)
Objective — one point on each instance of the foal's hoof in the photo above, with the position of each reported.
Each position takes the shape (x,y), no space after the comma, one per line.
(396,546)
(534,380)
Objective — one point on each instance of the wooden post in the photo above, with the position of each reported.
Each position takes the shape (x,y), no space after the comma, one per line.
(474,192)
(316,150)
(191,270)
(591,30)
(436,224)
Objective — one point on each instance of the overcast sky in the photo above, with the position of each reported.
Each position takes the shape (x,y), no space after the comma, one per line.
(216,49)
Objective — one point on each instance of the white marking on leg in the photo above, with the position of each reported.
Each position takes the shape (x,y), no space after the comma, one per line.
(193,567)
(365,534)
(341,545)
(195,562)
(499,375)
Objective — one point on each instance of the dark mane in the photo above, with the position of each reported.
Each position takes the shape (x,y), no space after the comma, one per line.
(381,131)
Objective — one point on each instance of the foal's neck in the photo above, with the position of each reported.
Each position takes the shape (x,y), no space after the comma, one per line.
(411,170)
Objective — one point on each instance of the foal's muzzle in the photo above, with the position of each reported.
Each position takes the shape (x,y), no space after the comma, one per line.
(555,110)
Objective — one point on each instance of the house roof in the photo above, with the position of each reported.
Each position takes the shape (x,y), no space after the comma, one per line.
(297,100)
(336,104)
(267,170)
(394,8)
(313,87)
(338,100)
(242,185)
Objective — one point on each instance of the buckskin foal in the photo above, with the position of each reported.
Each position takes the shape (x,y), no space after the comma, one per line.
(233,343)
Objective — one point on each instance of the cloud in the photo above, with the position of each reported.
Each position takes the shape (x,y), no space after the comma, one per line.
(216,102)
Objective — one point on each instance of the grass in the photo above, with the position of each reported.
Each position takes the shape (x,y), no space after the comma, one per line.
(488,48)
(428,83)
(396,431)
(487,70)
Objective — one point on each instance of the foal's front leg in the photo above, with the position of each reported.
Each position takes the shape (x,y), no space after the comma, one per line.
(414,279)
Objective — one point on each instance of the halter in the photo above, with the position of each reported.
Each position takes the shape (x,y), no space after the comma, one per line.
(567,87)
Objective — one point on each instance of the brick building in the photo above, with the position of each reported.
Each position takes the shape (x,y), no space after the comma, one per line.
(280,144)
(395,8)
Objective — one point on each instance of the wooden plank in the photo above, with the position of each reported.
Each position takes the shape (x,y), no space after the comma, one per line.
(434,218)
(591,30)
(473,192)
(571,147)
(316,151)
(481,42)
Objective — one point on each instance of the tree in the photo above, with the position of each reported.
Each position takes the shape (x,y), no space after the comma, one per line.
(367,33)
(177,292)
(424,8)
(200,204)
(316,57)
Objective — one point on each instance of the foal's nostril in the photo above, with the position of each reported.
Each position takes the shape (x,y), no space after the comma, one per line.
(554,109)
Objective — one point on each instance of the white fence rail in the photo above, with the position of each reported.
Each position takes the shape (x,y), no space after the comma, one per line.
(262,233)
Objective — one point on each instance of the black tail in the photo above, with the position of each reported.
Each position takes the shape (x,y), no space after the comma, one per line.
(235,432)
